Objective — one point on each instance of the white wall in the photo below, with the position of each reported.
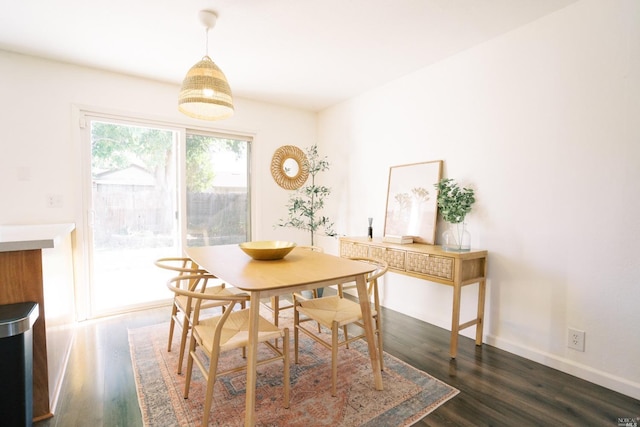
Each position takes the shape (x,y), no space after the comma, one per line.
(40,153)
(544,123)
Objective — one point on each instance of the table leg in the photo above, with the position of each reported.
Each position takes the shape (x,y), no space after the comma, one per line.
(252,357)
(365,306)
(455,321)
(482,286)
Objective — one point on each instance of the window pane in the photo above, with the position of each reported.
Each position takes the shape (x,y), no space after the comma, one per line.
(134,187)
(217,190)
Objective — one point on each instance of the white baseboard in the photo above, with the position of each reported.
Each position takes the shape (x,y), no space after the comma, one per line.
(612,382)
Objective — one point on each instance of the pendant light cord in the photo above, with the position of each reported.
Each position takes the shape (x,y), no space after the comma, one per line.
(206,32)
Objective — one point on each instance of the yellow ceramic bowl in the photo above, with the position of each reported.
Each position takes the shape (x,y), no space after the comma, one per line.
(267,249)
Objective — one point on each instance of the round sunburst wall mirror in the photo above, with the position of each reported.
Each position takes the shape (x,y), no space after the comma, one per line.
(289,167)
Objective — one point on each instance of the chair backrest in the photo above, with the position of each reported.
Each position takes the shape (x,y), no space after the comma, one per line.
(372,278)
(232,299)
(174,285)
(179,264)
(184,267)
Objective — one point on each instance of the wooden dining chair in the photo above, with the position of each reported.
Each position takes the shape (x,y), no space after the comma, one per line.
(275,306)
(337,312)
(182,307)
(227,331)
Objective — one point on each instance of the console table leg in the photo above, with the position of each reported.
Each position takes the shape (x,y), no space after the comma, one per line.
(482,287)
(455,321)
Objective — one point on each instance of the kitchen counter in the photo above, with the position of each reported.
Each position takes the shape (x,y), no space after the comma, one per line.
(36,265)
(28,237)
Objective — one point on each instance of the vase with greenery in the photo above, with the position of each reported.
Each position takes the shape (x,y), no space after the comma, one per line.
(305,203)
(454,204)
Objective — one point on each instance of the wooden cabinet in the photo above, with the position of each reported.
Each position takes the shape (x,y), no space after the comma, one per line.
(432,263)
(36,266)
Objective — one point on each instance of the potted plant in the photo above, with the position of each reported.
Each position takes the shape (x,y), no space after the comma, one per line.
(454,203)
(306,202)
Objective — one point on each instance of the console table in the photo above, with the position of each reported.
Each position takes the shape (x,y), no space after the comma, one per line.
(432,263)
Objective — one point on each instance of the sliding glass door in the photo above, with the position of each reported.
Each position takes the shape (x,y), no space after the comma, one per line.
(133,198)
(149,198)
(217,196)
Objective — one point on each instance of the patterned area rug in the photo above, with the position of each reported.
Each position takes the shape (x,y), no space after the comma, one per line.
(408,396)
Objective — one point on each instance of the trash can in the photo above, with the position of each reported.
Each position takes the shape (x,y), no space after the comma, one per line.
(16,367)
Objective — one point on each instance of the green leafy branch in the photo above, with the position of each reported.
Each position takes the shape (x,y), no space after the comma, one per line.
(454,202)
(306,202)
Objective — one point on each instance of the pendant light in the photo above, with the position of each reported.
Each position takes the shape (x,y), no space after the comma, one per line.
(205,92)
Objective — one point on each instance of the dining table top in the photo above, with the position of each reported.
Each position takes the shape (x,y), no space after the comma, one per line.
(300,268)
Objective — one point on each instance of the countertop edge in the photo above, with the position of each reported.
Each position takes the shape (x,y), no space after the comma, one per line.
(31,237)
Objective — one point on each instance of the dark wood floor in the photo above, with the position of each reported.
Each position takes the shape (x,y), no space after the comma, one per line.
(496,387)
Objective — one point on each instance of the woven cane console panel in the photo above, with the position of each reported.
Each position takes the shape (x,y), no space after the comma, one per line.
(430,265)
(353,250)
(429,262)
(393,257)
(410,262)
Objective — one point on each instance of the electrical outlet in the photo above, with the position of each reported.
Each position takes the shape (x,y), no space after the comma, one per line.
(576,339)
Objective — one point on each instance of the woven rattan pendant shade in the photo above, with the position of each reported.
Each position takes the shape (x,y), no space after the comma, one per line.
(205,92)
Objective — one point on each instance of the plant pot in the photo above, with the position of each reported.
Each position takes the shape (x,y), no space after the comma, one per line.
(456,238)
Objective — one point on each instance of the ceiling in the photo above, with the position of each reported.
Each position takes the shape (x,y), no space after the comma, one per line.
(307,54)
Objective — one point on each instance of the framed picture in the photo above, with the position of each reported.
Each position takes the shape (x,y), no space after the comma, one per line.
(412,208)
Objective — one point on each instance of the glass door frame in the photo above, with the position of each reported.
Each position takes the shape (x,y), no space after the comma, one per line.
(84,236)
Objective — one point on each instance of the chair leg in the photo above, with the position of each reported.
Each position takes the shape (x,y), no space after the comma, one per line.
(334,359)
(172,325)
(380,344)
(275,307)
(296,323)
(346,335)
(287,373)
(243,305)
(187,380)
(211,381)
(186,324)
